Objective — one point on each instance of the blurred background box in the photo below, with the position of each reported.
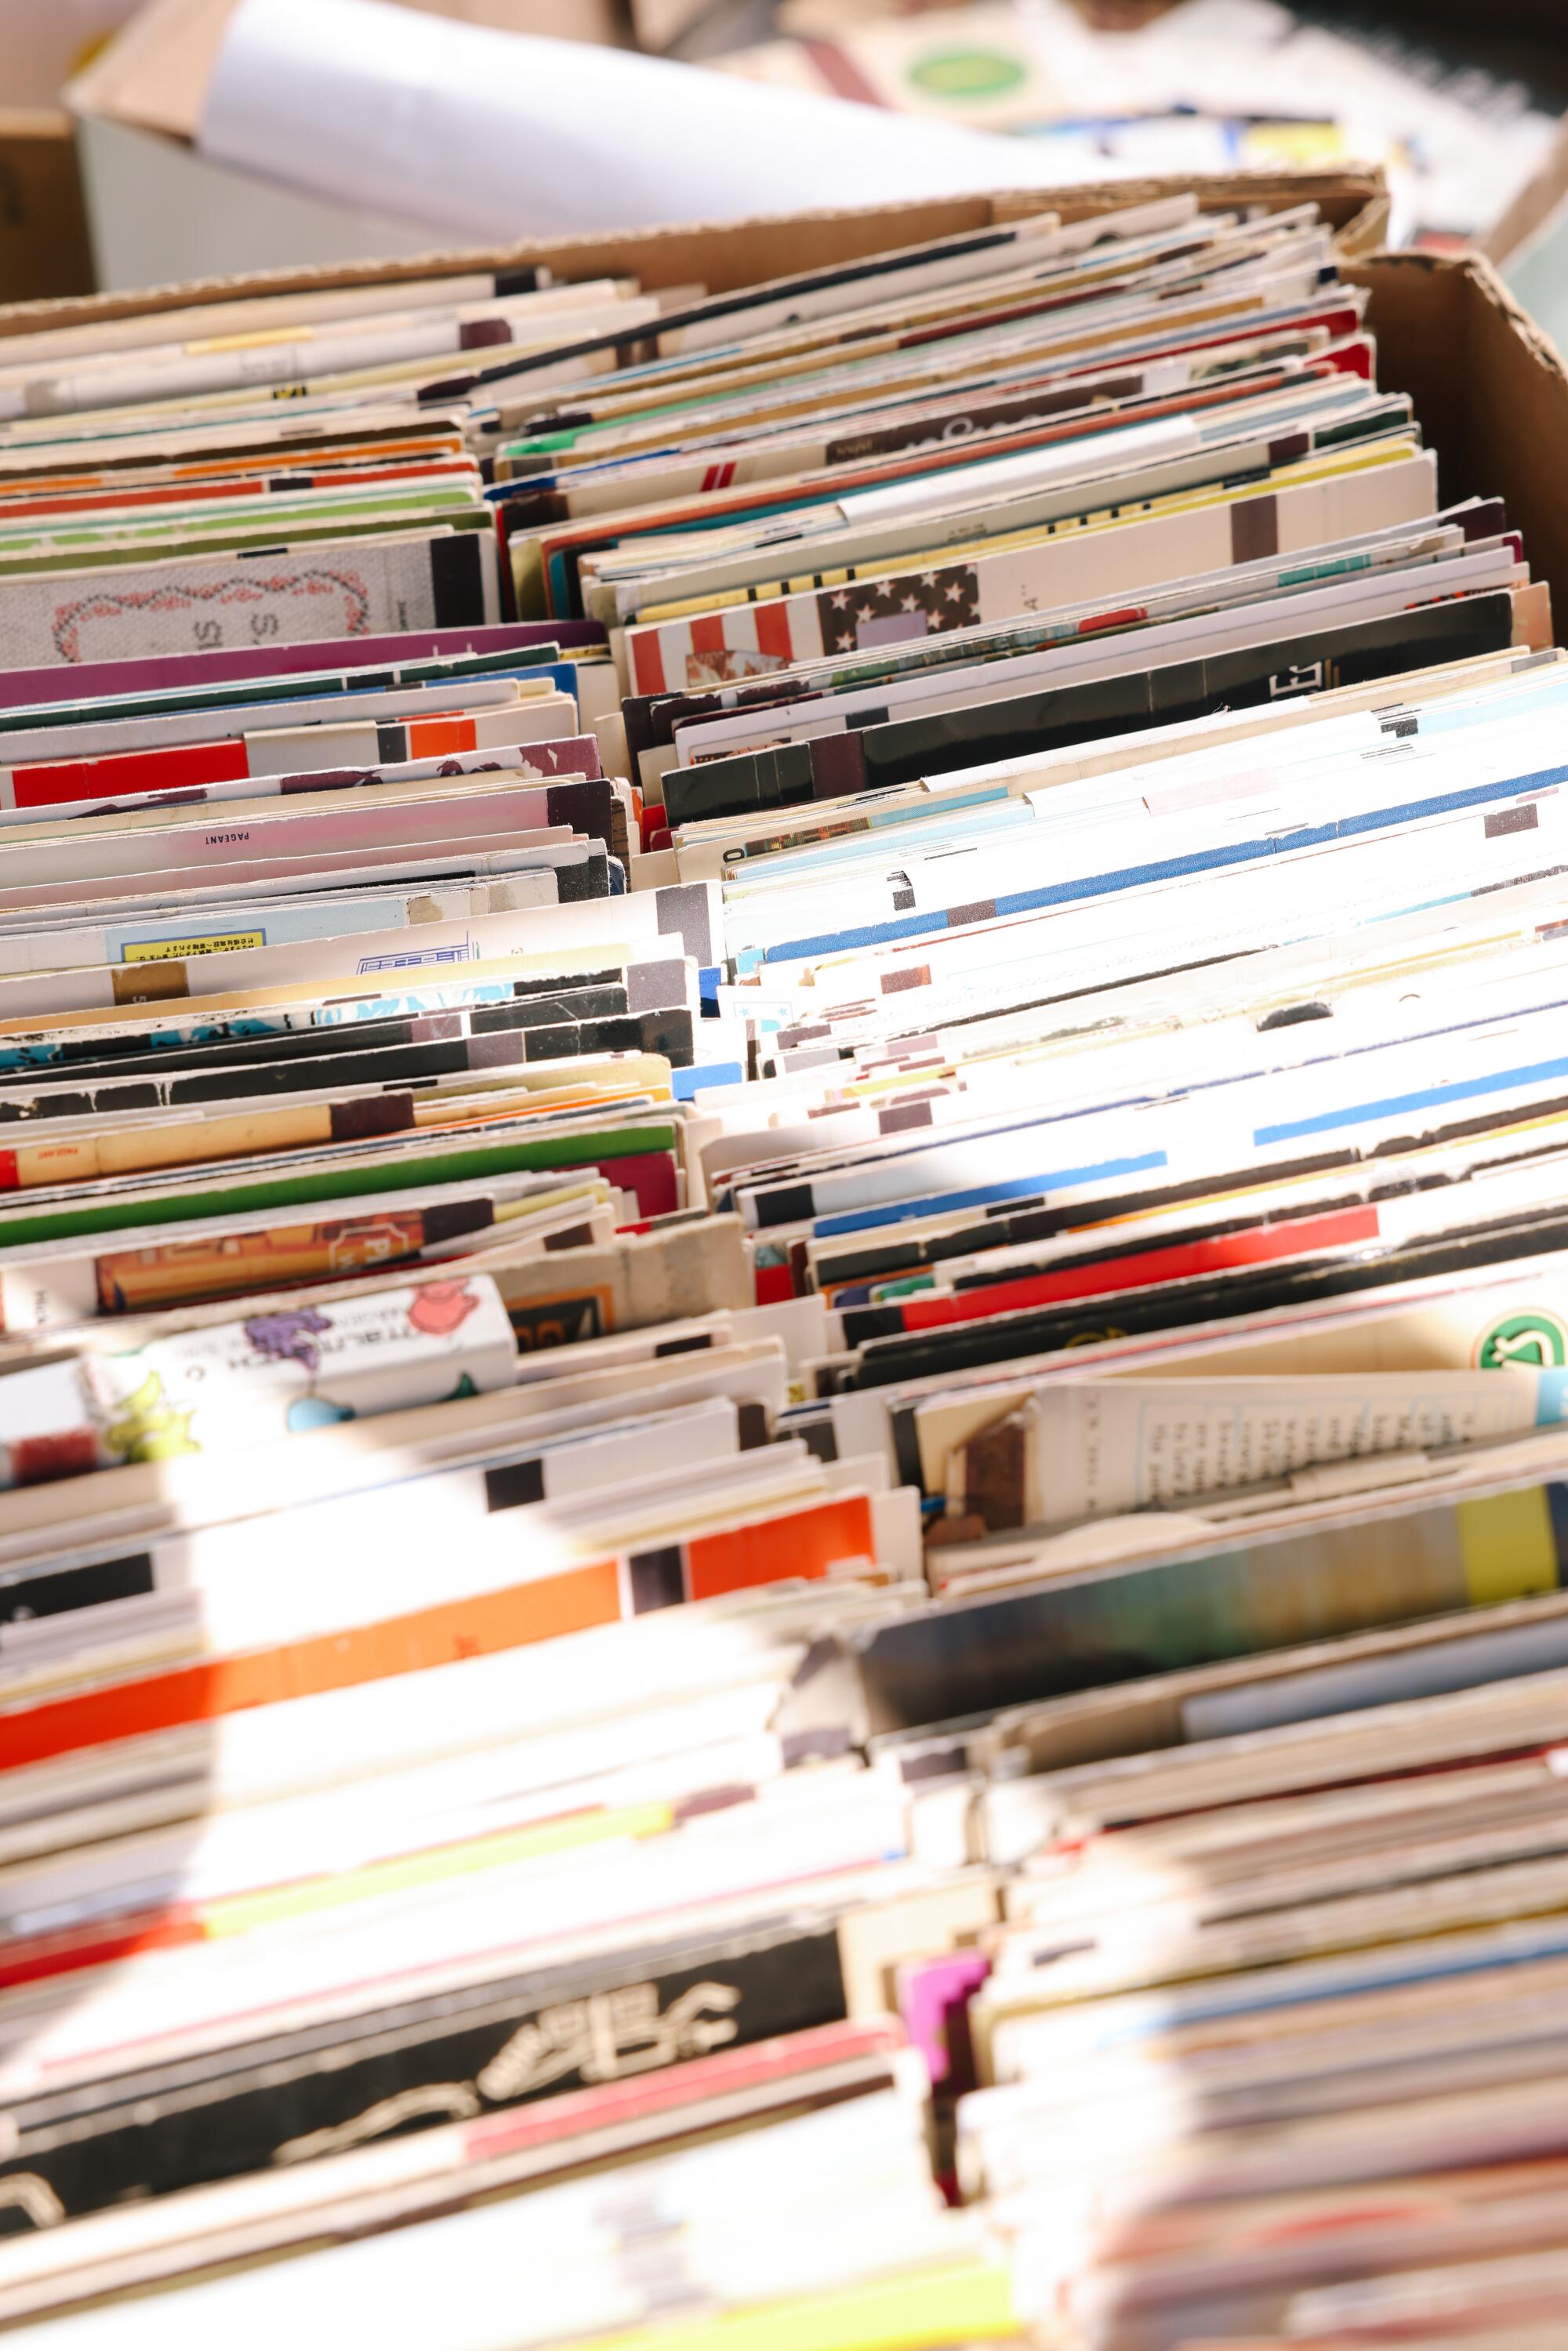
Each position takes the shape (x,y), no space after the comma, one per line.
(44,247)
(1464,105)
(1463,115)
(43,229)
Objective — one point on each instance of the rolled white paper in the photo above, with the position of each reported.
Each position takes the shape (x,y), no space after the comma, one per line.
(492,134)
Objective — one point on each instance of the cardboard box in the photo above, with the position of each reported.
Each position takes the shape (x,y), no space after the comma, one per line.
(156,209)
(1491,390)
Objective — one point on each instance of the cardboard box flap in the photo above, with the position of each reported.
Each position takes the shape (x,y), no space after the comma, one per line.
(155,73)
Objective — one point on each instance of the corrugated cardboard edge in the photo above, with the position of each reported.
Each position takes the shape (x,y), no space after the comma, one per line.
(726,254)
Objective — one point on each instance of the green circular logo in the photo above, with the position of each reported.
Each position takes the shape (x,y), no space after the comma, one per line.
(1536,1343)
(967,73)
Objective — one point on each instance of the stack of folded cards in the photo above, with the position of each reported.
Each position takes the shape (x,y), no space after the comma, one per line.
(783,1318)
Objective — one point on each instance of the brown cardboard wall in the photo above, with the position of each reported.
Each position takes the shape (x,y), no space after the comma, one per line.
(1491,390)
(43,226)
